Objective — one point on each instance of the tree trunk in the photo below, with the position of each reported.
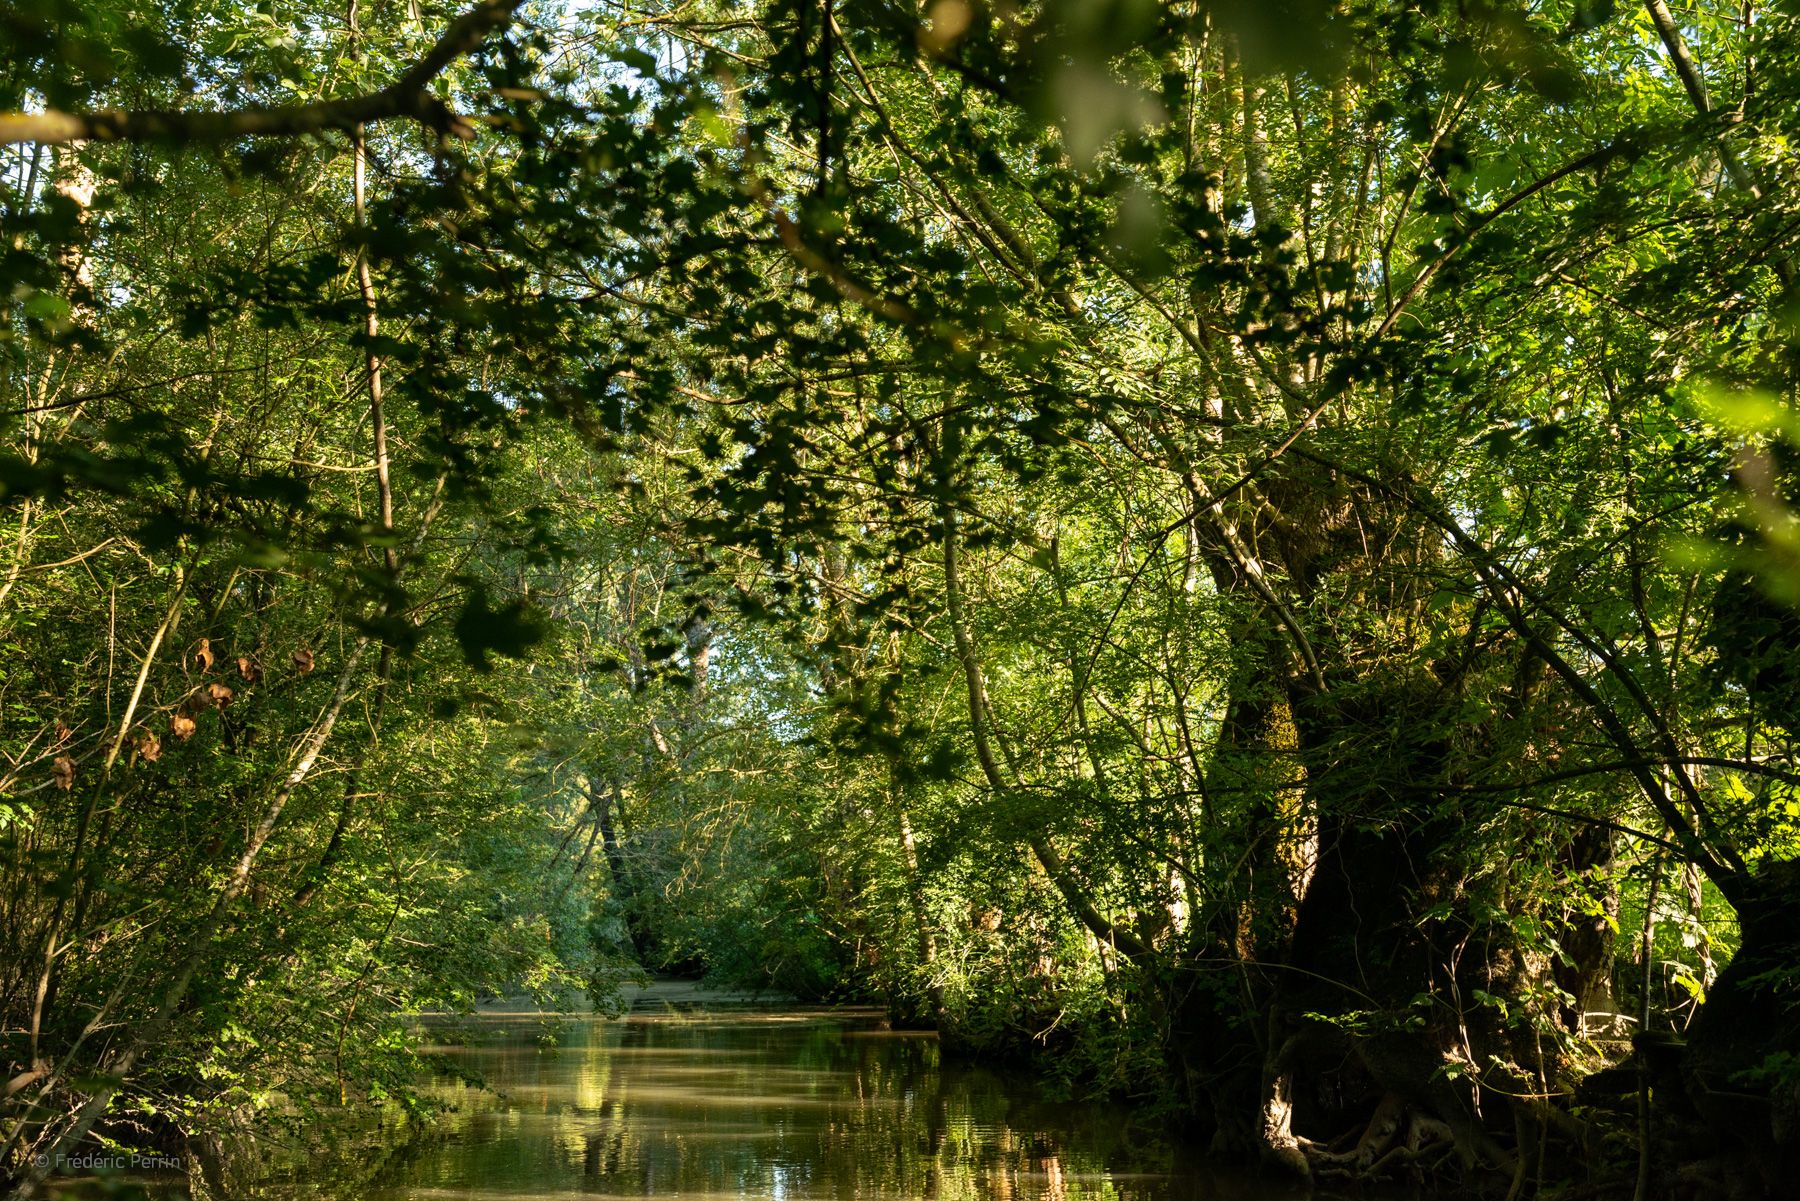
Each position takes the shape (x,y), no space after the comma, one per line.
(624,883)
(1742,1065)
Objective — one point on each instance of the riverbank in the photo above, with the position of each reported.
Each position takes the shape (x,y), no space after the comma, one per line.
(658,992)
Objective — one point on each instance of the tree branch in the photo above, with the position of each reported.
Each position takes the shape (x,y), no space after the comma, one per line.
(1695,85)
(1122,940)
(406,97)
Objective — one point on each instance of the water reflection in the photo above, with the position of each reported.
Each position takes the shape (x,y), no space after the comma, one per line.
(782,1107)
(704,1106)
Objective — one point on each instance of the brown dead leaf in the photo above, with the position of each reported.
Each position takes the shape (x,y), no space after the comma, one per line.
(203,654)
(62,773)
(303,660)
(149,746)
(181,726)
(62,731)
(250,669)
(219,695)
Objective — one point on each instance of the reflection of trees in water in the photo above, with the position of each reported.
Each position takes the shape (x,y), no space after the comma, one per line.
(681,1107)
(604,1147)
(815,1110)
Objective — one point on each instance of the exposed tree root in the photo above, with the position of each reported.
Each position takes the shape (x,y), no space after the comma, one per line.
(1397,1136)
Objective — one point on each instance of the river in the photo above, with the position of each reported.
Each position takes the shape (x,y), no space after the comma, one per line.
(751,1103)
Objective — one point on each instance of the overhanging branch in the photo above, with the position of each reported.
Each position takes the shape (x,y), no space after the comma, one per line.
(406,97)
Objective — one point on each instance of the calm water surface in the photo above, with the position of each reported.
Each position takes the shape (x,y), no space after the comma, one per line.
(778,1106)
(753,1104)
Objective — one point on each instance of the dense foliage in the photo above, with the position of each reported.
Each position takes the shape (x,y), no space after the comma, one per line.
(1242,552)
